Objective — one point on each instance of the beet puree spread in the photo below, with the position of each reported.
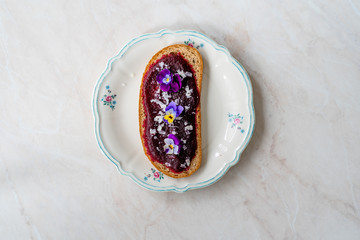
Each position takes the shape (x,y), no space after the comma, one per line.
(170,98)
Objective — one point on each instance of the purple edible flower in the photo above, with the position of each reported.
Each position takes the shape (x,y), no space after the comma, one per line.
(164,78)
(172,145)
(175,85)
(168,81)
(172,111)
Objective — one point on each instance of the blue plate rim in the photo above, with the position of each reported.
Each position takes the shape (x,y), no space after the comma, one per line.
(238,151)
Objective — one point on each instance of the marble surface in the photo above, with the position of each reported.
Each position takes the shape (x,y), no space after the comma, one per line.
(298,178)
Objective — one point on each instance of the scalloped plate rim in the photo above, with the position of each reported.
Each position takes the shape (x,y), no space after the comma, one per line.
(238,150)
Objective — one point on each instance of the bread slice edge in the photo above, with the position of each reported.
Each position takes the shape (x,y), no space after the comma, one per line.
(193,57)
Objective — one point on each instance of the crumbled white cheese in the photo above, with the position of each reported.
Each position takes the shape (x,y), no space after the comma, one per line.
(186,123)
(184,147)
(157,92)
(187,161)
(158,119)
(182,165)
(184,74)
(187,108)
(152,131)
(183,140)
(167,164)
(157,101)
(160,128)
(166,97)
(161,64)
(188,91)
(190,127)
(181,73)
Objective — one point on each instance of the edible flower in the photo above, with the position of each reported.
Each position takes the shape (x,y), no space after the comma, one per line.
(172,145)
(168,81)
(172,111)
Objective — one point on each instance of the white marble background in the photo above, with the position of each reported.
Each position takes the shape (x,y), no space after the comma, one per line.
(298,179)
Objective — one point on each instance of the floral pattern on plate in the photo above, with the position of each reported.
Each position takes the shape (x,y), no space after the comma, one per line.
(236,120)
(115,134)
(191,43)
(108,98)
(155,175)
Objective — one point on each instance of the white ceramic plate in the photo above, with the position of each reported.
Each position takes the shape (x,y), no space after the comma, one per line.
(226,104)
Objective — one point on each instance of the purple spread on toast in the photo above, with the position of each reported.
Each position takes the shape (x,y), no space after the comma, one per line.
(170,98)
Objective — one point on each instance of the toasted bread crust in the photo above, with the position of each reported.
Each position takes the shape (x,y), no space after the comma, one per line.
(193,57)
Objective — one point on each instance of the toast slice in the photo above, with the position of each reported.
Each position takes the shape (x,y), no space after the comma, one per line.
(194,59)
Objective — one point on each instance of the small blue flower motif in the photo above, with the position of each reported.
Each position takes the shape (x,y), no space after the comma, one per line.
(145,178)
(107,87)
(114,102)
(201,45)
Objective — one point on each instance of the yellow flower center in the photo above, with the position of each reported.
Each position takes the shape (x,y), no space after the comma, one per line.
(171,146)
(169,118)
(167,79)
